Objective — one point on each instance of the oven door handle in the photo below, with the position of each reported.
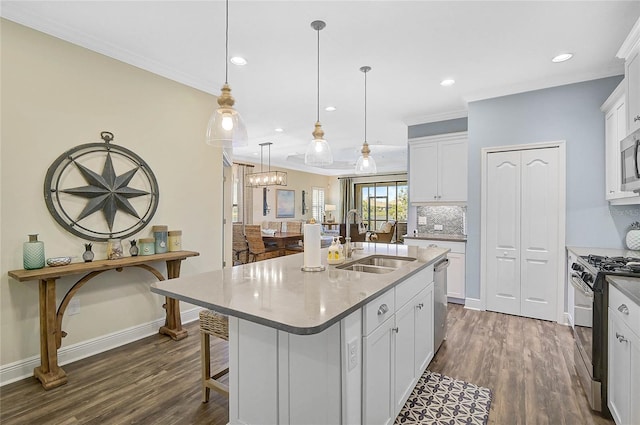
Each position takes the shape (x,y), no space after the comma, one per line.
(577,283)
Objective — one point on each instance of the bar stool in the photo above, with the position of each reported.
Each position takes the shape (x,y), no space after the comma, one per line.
(212,323)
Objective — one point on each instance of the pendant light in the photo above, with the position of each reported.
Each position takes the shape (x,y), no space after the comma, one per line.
(318,151)
(226,128)
(268,178)
(365,164)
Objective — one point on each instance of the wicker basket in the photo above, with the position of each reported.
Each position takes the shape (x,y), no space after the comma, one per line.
(214,324)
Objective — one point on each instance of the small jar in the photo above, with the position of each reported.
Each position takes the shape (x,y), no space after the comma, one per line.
(114,249)
(146,246)
(160,233)
(175,240)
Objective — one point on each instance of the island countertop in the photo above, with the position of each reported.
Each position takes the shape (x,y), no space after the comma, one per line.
(278,294)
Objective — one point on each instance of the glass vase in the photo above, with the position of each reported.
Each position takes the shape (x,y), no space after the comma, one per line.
(33,253)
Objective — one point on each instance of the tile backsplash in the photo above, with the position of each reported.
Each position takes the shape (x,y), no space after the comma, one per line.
(451,218)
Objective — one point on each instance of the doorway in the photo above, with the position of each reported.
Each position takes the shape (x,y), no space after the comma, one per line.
(523,231)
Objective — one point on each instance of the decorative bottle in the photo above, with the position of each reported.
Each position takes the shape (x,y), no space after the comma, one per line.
(88,254)
(133,250)
(33,253)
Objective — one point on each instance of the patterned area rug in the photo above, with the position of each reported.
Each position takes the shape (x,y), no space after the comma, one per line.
(438,399)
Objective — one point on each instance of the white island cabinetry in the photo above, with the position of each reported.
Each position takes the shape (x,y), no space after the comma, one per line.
(398,346)
(311,347)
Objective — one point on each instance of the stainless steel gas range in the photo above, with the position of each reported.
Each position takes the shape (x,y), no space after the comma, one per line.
(588,306)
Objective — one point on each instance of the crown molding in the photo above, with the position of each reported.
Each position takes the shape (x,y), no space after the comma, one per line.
(631,42)
(13,12)
(442,116)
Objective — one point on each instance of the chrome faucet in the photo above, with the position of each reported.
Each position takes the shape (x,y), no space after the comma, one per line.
(348,248)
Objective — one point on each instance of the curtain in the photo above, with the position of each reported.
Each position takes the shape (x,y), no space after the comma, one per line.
(346,189)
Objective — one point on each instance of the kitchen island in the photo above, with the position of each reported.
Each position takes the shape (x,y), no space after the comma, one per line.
(338,346)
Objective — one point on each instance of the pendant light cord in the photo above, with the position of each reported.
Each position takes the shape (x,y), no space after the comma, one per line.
(365,107)
(226,45)
(318,69)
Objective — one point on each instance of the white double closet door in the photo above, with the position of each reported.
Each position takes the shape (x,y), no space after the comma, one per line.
(522,232)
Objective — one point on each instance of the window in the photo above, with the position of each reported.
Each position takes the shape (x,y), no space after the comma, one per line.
(317,204)
(380,202)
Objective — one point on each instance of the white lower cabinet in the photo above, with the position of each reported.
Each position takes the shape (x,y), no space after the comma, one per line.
(624,361)
(456,276)
(396,353)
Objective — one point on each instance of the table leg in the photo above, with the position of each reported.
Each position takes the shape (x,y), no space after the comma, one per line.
(48,373)
(173,323)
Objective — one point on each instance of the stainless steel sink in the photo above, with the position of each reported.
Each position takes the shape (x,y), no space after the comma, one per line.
(378,264)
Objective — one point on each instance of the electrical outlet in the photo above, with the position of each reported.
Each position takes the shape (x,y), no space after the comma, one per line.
(74,306)
(422,220)
(438,227)
(352,348)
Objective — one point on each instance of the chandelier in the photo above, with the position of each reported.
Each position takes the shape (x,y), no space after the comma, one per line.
(266,178)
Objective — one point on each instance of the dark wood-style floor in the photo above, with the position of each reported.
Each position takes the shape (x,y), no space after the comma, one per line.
(527,363)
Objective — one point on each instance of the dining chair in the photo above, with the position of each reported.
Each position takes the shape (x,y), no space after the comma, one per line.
(297,247)
(257,249)
(240,246)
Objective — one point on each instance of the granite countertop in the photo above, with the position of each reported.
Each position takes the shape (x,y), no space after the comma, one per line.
(630,286)
(608,252)
(438,237)
(277,293)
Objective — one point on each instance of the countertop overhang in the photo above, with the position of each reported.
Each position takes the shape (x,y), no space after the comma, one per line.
(278,294)
(630,286)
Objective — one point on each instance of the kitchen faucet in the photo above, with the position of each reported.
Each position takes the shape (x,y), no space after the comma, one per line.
(348,248)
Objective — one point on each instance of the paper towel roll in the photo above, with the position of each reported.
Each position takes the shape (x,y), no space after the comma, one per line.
(312,245)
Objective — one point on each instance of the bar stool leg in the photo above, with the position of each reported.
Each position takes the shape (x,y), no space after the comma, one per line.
(205,361)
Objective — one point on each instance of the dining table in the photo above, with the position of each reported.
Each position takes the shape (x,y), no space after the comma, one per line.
(280,240)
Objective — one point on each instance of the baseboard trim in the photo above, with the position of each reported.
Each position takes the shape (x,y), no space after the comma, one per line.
(473,304)
(21,369)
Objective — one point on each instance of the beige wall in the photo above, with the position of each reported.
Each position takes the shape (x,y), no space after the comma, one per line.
(56,96)
(297,181)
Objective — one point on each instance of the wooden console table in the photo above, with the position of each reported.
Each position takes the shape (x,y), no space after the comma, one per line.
(49,373)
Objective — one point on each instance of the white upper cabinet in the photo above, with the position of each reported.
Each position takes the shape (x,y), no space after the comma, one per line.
(630,52)
(615,115)
(438,168)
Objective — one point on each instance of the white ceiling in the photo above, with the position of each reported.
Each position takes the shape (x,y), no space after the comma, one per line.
(489,48)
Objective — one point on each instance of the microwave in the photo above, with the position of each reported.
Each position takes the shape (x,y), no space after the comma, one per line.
(629,156)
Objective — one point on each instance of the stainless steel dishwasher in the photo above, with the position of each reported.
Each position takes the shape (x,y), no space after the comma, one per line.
(440,303)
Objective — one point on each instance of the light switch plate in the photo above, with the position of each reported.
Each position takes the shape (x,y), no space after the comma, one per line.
(422,220)
(438,227)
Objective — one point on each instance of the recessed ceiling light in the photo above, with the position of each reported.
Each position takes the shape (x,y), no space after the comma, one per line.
(330,108)
(448,82)
(279,130)
(237,60)
(562,57)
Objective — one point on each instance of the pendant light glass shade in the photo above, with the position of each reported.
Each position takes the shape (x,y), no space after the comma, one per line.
(226,128)
(366,163)
(318,152)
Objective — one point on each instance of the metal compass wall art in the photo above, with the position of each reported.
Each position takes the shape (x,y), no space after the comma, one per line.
(116,202)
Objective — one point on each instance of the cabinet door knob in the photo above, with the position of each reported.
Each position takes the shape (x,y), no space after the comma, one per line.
(419,306)
(395,329)
(435,196)
(623,309)
(383,309)
(621,337)
(636,118)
